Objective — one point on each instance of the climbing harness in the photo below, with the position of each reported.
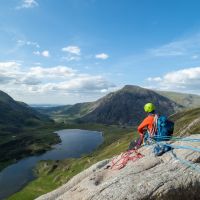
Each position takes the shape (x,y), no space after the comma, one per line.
(122,160)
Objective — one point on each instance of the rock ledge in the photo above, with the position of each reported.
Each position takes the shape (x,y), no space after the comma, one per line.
(150,177)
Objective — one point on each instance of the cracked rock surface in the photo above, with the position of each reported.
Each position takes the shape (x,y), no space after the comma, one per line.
(166,177)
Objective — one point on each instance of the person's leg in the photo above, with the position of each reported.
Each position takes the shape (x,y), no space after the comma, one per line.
(135,144)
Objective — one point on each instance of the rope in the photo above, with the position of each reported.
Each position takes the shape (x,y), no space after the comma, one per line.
(183,147)
(125,157)
(185,162)
(177,138)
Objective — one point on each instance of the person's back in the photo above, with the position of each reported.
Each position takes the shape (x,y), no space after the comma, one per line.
(147,125)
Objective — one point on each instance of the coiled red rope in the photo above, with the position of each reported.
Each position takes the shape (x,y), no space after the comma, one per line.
(124,158)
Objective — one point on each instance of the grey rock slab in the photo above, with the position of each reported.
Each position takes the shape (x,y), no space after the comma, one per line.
(150,177)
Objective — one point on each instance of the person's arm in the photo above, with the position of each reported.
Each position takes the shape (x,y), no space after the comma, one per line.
(143,125)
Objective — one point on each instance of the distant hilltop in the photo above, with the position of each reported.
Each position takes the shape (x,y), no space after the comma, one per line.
(124,106)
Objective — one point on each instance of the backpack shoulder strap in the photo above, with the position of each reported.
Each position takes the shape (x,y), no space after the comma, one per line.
(155,122)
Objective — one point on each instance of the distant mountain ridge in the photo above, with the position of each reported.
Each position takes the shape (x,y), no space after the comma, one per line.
(14,113)
(186,100)
(124,106)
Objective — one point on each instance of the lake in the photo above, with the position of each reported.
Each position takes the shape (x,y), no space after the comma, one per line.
(74,143)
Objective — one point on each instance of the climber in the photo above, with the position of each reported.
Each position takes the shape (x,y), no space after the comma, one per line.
(146,126)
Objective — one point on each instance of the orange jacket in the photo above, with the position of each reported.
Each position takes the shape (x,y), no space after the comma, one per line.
(148,123)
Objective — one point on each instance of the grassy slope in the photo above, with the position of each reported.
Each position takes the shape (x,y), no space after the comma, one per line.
(53,174)
(187,100)
(28,141)
(68,112)
(23,131)
(186,118)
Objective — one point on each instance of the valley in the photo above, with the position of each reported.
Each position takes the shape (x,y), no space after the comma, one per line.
(116,115)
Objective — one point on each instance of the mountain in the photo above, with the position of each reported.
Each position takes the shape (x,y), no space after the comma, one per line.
(68,111)
(125,106)
(186,100)
(23,130)
(17,114)
(53,110)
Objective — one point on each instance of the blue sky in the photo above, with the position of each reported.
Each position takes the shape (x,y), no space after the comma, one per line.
(70,51)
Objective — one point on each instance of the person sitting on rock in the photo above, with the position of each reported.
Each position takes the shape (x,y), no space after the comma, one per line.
(147,125)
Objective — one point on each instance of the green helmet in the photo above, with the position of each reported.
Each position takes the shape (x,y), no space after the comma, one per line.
(149,107)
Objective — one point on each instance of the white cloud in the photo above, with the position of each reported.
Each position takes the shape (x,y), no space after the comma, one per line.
(28,4)
(181,47)
(171,49)
(102,56)
(11,64)
(154,79)
(187,80)
(53,72)
(58,80)
(79,84)
(194,57)
(72,50)
(36,53)
(28,43)
(44,53)
(71,58)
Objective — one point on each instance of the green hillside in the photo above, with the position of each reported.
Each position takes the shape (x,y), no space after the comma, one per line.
(186,100)
(57,110)
(187,122)
(18,114)
(23,130)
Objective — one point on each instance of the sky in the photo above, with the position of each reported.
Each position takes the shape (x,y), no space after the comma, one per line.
(69,51)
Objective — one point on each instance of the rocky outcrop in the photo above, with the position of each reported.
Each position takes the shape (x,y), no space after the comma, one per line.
(167,177)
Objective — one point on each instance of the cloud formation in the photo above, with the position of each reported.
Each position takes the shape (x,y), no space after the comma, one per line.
(187,80)
(44,53)
(28,4)
(72,50)
(28,43)
(102,56)
(181,47)
(43,80)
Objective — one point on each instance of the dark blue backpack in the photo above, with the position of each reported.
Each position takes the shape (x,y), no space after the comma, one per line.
(165,129)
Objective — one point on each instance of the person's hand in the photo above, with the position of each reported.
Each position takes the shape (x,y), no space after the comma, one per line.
(140,140)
